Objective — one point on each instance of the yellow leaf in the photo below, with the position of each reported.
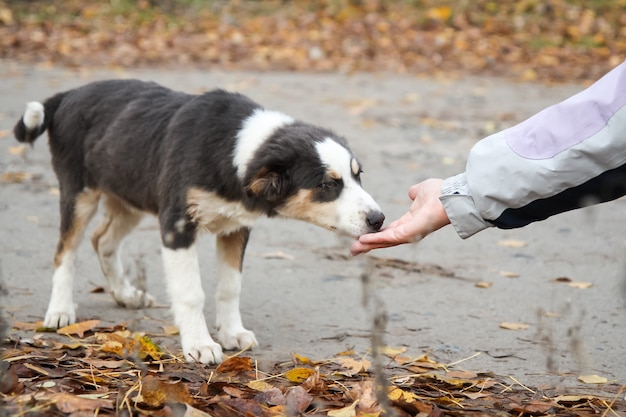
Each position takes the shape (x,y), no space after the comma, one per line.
(573,398)
(79,328)
(298,375)
(303,359)
(149,348)
(514,326)
(439,13)
(484,284)
(512,243)
(260,386)
(170,330)
(397,394)
(579,284)
(349,411)
(111,346)
(392,351)
(509,274)
(354,366)
(592,379)
(16,150)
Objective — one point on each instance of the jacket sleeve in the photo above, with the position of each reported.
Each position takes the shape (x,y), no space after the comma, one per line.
(568,156)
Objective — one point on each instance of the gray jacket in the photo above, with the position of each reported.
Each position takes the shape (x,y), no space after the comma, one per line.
(570,155)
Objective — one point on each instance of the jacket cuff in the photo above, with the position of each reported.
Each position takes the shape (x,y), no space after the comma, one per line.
(460,207)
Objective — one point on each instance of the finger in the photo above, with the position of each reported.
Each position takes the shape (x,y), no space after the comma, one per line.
(358,248)
(414,190)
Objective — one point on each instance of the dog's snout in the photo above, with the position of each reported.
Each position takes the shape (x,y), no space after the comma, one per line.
(375,220)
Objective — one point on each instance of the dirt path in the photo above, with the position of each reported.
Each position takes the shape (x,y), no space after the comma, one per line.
(301,294)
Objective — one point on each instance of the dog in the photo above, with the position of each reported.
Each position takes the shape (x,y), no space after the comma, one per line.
(212,162)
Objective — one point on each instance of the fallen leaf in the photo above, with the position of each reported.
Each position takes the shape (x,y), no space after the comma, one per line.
(169,330)
(593,379)
(509,274)
(22,325)
(349,411)
(573,398)
(581,285)
(298,399)
(484,284)
(398,394)
(68,403)
(194,412)
(155,392)
(79,329)
(353,366)
(298,375)
(260,386)
(148,348)
(272,396)
(514,326)
(392,351)
(235,364)
(512,243)
(278,255)
(16,150)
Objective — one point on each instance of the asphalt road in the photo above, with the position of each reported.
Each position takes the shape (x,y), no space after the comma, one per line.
(302,291)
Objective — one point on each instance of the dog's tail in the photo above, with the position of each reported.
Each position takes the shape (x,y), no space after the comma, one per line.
(36,119)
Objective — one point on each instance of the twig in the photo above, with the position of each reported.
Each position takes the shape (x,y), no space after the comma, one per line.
(379,323)
(522,385)
(462,360)
(609,407)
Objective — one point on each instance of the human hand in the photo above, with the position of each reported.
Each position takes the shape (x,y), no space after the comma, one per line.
(425,215)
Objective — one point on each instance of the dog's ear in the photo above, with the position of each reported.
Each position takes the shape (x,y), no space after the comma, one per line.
(268,185)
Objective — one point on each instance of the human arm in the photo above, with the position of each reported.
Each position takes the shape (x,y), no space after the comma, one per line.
(567,156)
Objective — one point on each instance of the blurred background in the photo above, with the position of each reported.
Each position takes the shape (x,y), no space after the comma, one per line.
(530,40)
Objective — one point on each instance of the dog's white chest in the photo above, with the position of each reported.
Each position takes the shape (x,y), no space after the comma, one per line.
(217,215)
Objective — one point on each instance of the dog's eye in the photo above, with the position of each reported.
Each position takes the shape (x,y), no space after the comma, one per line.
(328,186)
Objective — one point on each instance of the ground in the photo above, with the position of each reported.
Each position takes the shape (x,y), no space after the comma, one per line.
(564,278)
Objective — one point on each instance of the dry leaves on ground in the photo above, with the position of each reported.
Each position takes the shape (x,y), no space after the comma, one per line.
(69,376)
(560,40)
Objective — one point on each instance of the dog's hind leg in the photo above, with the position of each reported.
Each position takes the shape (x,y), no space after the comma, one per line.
(119,220)
(230,252)
(77,208)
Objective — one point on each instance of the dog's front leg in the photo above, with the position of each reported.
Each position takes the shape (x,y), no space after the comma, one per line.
(182,274)
(230,252)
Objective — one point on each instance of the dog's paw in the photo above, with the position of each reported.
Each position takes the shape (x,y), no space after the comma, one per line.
(208,352)
(56,318)
(131,297)
(236,339)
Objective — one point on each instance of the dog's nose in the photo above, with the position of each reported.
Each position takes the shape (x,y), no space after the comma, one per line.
(375,220)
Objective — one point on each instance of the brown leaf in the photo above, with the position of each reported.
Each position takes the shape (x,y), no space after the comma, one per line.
(155,392)
(298,399)
(235,364)
(68,403)
(79,329)
(9,380)
(245,407)
(272,396)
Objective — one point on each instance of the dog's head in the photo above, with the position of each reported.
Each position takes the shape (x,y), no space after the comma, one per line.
(307,173)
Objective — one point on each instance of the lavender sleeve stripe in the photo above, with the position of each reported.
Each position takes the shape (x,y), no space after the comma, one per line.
(564,125)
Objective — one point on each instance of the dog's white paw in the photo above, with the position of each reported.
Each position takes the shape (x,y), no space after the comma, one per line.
(57,318)
(207,352)
(131,297)
(236,338)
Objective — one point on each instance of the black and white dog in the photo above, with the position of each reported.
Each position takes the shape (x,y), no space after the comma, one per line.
(215,162)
